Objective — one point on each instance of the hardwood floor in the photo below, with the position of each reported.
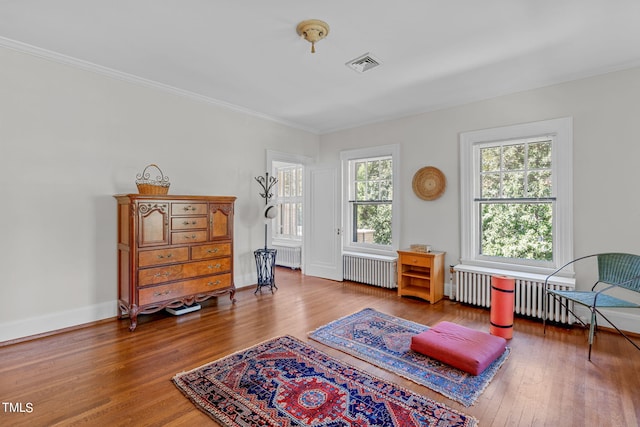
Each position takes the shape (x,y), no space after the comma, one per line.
(104,375)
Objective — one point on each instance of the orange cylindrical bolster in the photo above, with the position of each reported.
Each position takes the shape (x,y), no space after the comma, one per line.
(502,304)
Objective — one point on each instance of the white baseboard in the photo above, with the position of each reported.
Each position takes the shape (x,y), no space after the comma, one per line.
(55,321)
(448,289)
(245,280)
(65,319)
(624,320)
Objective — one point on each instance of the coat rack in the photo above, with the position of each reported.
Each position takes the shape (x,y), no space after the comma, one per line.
(267,182)
(266,258)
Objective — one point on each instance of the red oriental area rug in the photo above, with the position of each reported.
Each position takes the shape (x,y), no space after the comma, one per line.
(286,382)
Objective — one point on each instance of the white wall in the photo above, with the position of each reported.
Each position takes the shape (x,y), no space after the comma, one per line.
(606,119)
(69,140)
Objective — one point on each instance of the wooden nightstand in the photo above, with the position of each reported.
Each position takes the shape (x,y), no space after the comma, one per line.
(421,274)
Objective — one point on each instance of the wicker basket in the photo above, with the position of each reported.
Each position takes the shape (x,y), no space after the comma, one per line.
(149,186)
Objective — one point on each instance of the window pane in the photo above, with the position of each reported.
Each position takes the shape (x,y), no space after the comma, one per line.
(539,184)
(490,159)
(286,184)
(540,155)
(373,191)
(299,182)
(517,230)
(386,190)
(372,223)
(385,169)
(513,157)
(361,171)
(513,185)
(490,185)
(372,169)
(361,190)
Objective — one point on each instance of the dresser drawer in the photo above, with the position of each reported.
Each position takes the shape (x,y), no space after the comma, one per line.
(162,256)
(420,261)
(185,237)
(185,288)
(188,209)
(156,275)
(188,223)
(210,251)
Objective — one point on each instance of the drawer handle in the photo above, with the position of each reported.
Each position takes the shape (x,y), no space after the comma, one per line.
(217,282)
(187,223)
(189,208)
(212,251)
(162,256)
(218,265)
(193,236)
(160,294)
(165,274)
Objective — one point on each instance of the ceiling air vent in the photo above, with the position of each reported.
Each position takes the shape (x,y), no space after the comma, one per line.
(363,63)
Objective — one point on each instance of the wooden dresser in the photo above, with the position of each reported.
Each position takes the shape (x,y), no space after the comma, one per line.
(421,274)
(173,251)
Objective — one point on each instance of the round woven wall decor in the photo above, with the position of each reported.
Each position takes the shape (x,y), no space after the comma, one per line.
(429,183)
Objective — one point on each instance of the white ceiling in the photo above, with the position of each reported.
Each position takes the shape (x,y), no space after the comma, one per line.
(247,55)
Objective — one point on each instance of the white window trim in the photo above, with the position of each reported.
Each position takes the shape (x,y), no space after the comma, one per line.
(392,150)
(562,166)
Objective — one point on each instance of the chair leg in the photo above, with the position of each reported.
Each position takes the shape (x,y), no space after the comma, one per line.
(559,301)
(544,314)
(592,328)
(619,331)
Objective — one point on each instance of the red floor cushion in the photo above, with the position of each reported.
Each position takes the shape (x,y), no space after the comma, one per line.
(467,349)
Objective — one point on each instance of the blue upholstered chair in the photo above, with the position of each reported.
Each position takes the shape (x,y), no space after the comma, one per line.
(615,271)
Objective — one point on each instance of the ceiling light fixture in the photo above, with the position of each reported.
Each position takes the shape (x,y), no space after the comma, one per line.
(313,30)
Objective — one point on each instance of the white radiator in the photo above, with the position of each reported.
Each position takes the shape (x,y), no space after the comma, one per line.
(289,256)
(473,286)
(370,269)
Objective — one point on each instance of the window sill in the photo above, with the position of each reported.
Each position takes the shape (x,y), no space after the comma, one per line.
(369,253)
(512,267)
(287,243)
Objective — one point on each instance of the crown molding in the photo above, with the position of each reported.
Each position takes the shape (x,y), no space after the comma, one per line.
(131,78)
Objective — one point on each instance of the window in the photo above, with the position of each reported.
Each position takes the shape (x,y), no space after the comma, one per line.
(289,198)
(516,196)
(371,198)
(516,203)
(369,192)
